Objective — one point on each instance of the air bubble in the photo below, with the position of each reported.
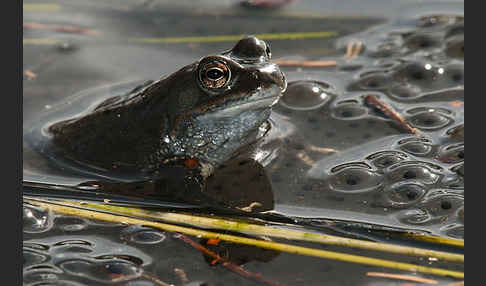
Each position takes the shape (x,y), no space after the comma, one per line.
(306,95)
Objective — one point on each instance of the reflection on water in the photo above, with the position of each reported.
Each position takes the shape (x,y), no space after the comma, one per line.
(327,154)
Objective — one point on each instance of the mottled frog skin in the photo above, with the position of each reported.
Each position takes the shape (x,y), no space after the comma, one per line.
(205,111)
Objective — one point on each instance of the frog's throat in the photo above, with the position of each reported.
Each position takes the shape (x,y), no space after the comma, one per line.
(213,104)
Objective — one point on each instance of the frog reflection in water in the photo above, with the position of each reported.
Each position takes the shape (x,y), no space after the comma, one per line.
(206,111)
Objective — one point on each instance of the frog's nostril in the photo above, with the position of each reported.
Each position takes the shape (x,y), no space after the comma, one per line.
(268,52)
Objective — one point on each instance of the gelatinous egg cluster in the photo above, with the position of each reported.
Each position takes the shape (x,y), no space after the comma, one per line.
(357,157)
(71,253)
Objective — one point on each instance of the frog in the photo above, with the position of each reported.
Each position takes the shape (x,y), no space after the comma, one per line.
(199,117)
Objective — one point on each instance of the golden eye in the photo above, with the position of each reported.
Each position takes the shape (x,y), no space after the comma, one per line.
(214,74)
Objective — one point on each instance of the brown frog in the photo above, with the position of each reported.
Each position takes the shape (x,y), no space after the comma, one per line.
(201,115)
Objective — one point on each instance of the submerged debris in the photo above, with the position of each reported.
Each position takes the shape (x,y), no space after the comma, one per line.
(373,101)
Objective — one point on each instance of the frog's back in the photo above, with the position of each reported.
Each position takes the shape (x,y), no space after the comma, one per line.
(78,126)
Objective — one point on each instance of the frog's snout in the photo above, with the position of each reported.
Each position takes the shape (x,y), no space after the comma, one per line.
(278,78)
(271,74)
(251,50)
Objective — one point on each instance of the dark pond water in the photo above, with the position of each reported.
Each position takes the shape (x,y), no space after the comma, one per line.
(330,154)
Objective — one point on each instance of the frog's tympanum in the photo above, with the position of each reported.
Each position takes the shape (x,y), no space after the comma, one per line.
(205,112)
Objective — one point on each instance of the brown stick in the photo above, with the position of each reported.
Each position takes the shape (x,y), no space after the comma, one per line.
(231,266)
(30,74)
(353,49)
(306,63)
(65,29)
(373,101)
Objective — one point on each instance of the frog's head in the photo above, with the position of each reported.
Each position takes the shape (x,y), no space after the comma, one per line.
(239,80)
(218,101)
(225,85)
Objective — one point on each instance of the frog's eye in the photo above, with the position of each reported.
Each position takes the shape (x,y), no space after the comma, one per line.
(214,74)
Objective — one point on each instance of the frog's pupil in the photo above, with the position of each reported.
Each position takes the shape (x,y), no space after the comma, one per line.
(214,74)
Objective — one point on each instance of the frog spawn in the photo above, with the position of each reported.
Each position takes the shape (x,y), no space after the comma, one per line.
(70,257)
(417,68)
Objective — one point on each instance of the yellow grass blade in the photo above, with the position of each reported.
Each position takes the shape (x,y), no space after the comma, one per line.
(91,214)
(234,38)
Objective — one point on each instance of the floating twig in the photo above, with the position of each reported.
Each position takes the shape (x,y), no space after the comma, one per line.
(228,264)
(322,150)
(64,29)
(353,49)
(30,74)
(318,64)
(402,277)
(388,111)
